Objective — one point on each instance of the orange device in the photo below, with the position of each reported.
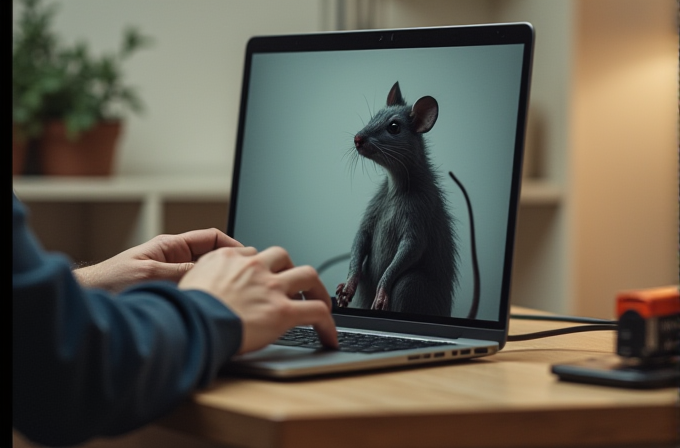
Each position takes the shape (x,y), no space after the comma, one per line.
(649,323)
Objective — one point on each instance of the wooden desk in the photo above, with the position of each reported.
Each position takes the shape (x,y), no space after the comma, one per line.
(507,400)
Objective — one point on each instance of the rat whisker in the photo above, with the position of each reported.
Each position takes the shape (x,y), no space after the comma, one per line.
(354,160)
(399,154)
(370,114)
(391,154)
(348,152)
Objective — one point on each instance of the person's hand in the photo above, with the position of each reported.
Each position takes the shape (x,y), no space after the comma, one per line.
(164,257)
(263,289)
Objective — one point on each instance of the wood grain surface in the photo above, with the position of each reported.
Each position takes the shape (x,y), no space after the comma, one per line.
(510,399)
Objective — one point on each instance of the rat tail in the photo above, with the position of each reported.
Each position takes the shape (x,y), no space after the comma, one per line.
(473,249)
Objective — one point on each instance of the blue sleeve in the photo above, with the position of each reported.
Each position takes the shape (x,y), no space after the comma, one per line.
(86,363)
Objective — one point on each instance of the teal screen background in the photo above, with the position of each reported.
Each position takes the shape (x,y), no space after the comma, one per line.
(300,190)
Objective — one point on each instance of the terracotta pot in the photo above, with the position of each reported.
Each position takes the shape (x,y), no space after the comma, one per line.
(19,151)
(91,154)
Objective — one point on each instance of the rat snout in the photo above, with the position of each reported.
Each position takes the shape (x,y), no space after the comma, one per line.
(363,146)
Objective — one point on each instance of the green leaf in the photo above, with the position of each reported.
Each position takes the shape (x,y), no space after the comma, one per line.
(53,80)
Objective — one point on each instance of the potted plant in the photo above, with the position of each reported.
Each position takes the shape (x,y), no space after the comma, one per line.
(67,101)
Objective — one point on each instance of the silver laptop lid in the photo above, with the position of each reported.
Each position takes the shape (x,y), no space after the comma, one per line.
(332,132)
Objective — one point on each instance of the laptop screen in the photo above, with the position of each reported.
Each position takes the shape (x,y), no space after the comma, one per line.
(322,157)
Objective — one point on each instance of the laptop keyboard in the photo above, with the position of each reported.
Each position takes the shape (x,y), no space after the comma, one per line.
(353,342)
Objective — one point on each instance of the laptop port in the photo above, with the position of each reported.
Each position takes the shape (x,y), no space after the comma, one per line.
(465,351)
(481,350)
(413,357)
(439,354)
(454,352)
(427,355)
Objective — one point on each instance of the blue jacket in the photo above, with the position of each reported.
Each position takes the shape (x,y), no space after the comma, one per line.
(87,363)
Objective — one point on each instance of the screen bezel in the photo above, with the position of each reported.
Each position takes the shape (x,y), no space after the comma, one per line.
(450,36)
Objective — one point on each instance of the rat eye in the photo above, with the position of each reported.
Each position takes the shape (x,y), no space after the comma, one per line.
(393,128)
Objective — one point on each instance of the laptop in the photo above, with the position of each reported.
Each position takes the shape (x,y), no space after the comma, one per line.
(390,160)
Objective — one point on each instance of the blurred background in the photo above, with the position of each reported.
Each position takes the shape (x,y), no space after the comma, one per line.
(599,208)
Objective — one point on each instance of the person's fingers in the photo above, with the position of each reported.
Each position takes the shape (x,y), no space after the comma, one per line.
(170,271)
(311,311)
(244,250)
(276,259)
(315,314)
(175,271)
(306,280)
(202,241)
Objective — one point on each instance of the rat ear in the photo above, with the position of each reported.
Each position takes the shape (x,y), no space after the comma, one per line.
(424,113)
(394,98)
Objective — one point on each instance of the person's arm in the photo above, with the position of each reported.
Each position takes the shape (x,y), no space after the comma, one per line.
(86,363)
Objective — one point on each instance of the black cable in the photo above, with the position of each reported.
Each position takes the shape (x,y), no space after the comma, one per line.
(592,324)
(561,331)
(561,318)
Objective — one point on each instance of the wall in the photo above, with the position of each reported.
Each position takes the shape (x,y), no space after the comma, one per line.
(605,86)
(623,161)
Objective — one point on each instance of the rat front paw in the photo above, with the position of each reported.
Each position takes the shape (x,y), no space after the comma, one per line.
(380,302)
(341,297)
(345,291)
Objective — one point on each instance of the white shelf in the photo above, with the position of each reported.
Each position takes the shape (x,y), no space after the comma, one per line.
(92,218)
(116,188)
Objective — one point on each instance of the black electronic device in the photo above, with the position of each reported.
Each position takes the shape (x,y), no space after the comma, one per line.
(647,344)
(616,371)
